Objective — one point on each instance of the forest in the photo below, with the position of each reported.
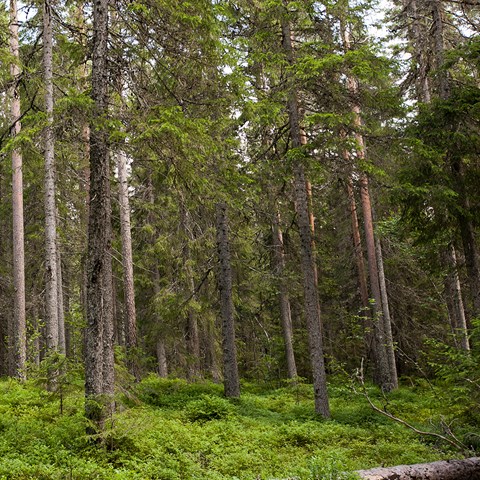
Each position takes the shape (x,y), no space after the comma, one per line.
(239,239)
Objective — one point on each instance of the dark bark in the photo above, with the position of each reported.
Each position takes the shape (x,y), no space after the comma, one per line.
(308,261)
(230,366)
(99,329)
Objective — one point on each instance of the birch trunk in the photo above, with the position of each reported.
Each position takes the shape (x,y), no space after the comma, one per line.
(308,262)
(230,366)
(127,261)
(51,284)
(18,351)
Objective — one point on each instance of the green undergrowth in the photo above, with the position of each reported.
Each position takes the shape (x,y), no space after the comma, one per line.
(172,430)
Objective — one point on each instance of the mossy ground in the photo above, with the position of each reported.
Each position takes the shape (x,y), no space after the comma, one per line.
(171,430)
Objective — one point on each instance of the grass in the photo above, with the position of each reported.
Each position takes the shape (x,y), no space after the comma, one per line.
(172,430)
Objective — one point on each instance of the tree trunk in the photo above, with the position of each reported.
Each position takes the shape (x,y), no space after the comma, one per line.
(230,367)
(387,320)
(161,359)
(357,245)
(19,341)
(51,280)
(127,260)
(62,343)
(468,469)
(382,370)
(285,312)
(309,268)
(454,300)
(191,334)
(384,364)
(99,329)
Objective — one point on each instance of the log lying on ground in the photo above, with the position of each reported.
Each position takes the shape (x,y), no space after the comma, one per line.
(468,469)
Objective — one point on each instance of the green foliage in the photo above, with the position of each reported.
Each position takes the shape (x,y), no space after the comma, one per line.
(209,407)
(181,431)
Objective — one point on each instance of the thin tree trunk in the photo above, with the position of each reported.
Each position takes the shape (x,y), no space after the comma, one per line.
(19,333)
(230,366)
(454,299)
(51,284)
(387,320)
(62,346)
(127,260)
(357,245)
(161,359)
(309,267)
(285,312)
(99,329)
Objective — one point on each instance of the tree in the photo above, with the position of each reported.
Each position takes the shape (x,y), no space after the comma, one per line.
(309,269)
(51,277)
(99,368)
(230,366)
(18,345)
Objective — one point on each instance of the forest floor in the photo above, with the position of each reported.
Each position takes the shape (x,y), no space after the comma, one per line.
(172,430)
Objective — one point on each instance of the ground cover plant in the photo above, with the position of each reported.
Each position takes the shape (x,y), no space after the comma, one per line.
(169,429)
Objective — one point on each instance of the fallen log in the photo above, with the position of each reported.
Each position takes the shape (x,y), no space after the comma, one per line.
(467,469)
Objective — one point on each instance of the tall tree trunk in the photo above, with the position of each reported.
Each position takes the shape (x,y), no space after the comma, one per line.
(385,368)
(127,260)
(230,366)
(51,284)
(19,340)
(382,370)
(392,364)
(99,329)
(285,312)
(308,262)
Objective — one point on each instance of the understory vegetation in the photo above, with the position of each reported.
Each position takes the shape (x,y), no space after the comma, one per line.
(170,429)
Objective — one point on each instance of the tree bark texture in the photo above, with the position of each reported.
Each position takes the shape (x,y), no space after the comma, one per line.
(468,469)
(230,366)
(127,261)
(51,280)
(308,261)
(285,311)
(18,351)
(99,329)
